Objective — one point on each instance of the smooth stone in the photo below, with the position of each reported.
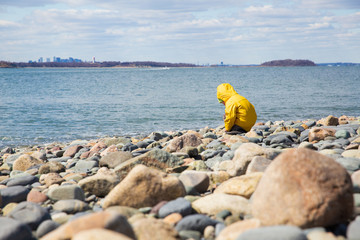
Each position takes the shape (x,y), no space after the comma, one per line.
(212,204)
(342,134)
(149,228)
(186,140)
(36,197)
(318,191)
(179,205)
(100,234)
(155,158)
(105,219)
(195,222)
(22,181)
(198,180)
(351,153)
(320,133)
(72,150)
(258,164)
(353,230)
(51,178)
(66,192)
(245,153)
(30,213)
(273,233)
(12,158)
(321,235)
(11,229)
(70,206)
(282,139)
(111,160)
(46,227)
(51,167)
(85,165)
(244,185)
(25,161)
(350,164)
(355,177)
(173,218)
(307,145)
(128,212)
(232,231)
(190,234)
(144,187)
(13,194)
(101,183)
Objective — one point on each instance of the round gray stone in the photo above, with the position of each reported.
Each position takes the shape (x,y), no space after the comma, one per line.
(11,229)
(46,227)
(179,205)
(273,233)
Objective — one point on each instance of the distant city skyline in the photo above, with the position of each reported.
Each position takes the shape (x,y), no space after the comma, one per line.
(199,32)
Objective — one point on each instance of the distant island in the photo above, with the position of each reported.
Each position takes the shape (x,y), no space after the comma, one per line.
(94,64)
(288,63)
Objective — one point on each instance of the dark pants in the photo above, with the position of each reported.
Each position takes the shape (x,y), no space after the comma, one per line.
(236,130)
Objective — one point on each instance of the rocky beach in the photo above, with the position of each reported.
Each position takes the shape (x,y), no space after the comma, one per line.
(293,180)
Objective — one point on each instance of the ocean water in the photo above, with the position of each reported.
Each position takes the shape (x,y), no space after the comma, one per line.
(44,105)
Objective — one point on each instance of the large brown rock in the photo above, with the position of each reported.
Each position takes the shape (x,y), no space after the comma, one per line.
(154,229)
(108,220)
(320,133)
(72,150)
(245,153)
(304,188)
(187,140)
(144,187)
(25,161)
(112,159)
(101,183)
(155,158)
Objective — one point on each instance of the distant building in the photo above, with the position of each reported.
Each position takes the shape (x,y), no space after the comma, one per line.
(41,59)
(93,59)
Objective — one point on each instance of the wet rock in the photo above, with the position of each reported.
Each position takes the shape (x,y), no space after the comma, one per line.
(144,187)
(318,190)
(30,214)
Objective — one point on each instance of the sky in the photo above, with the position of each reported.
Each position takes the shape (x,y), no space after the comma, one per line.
(186,31)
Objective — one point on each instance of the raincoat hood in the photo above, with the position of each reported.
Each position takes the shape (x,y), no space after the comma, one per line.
(225,91)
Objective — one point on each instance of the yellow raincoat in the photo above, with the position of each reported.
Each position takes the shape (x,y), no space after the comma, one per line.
(238,110)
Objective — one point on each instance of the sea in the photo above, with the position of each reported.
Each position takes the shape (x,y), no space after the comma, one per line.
(46,105)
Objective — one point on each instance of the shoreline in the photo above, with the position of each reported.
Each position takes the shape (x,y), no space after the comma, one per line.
(204,182)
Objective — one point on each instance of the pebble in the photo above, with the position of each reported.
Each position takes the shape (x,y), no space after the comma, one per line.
(203,184)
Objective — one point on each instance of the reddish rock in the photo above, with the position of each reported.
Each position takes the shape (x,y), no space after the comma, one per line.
(187,140)
(72,150)
(319,133)
(36,196)
(303,188)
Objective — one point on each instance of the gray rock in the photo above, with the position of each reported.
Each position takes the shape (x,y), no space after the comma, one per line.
(85,165)
(71,206)
(215,144)
(30,213)
(304,136)
(228,155)
(282,139)
(208,153)
(190,234)
(11,159)
(46,227)
(342,134)
(11,229)
(155,136)
(22,181)
(13,194)
(353,231)
(195,222)
(198,180)
(212,162)
(329,145)
(350,164)
(129,147)
(66,192)
(61,159)
(273,233)
(179,205)
(111,160)
(210,135)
